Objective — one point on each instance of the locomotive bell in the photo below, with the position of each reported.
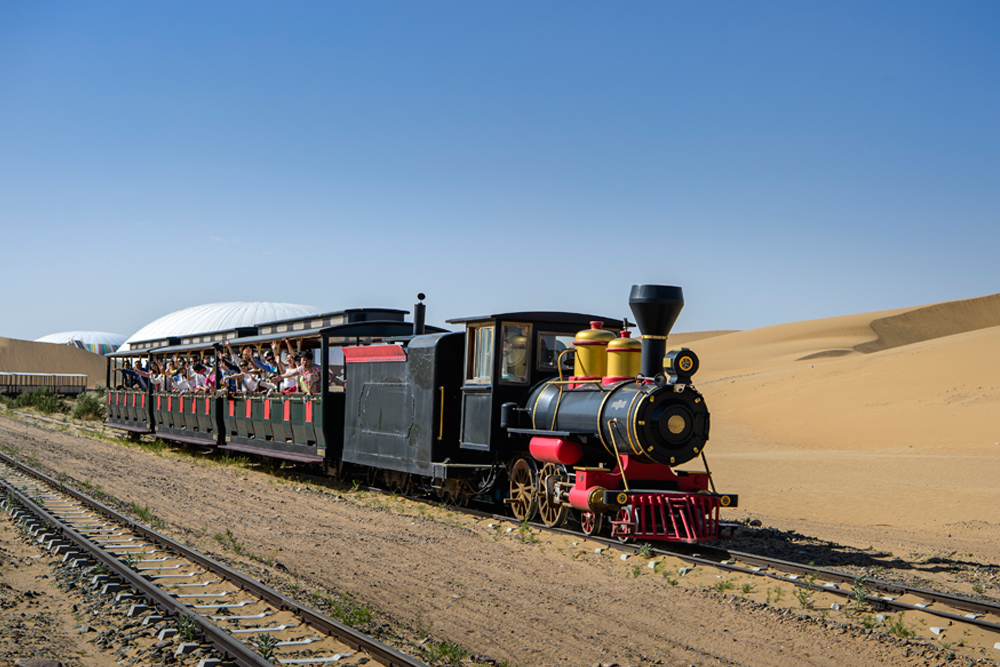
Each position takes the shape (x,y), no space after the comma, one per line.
(655,308)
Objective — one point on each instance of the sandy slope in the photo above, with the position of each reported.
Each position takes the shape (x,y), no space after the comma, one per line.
(25,356)
(881,418)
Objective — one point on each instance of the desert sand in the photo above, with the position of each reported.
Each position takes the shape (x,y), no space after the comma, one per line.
(885,419)
(25,356)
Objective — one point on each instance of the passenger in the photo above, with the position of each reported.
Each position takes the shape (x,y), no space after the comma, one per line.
(156,376)
(275,356)
(210,376)
(287,369)
(141,376)
(308,375)
(289,379)
(311,375)
(131,379)
(128,379)
(246,378)
(180,380)
(267,364)
(169,371)
(248,355)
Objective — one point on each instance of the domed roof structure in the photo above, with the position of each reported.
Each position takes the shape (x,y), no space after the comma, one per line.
(98,342)
(219,317)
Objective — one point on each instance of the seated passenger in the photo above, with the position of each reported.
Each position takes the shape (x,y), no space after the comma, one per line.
(308,375)
(156,376)
(267,364)
(199,377)
(248,383)
(131,379)
(289,382)
(180,381)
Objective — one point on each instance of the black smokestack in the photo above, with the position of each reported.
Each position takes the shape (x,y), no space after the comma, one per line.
(655,308)
(418,315)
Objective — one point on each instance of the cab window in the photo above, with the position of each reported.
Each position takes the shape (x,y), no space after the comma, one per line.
(550,347)
(479,365)
(514,362)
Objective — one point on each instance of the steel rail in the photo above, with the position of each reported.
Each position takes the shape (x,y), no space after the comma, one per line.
(764,563)
(216,636)
(887,587)
(349,636)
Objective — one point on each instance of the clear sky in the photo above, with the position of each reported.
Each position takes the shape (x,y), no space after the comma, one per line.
(780,161)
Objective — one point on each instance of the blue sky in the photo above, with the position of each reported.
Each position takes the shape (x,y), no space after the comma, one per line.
(779,161)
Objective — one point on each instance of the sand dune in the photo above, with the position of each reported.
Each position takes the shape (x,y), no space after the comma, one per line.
(24,356)
(836,337)
(942,319)
(889,417)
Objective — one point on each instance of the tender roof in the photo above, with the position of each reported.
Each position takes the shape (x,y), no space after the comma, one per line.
(219,317)
(99,342)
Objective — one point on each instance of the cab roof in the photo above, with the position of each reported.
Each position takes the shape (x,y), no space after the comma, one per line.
(544,316)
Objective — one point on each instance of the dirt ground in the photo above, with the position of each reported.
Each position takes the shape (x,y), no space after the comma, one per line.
(37,619)
(437,576)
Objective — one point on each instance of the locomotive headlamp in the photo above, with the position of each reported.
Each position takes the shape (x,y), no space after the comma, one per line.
(680,364)
(729,500)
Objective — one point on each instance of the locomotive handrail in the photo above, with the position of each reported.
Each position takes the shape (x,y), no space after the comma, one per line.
(707,471)
(618,455)
(441,425)
(597,381)
(559,361)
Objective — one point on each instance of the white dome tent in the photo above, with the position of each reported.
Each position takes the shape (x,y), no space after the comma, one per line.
(218,317)
(98,342)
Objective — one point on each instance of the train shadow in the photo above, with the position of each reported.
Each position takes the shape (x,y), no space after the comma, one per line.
(792,546)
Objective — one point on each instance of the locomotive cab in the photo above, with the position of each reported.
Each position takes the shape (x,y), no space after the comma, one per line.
(505,356)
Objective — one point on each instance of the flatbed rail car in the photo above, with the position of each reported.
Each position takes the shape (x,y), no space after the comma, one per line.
(297,427)
(58,383)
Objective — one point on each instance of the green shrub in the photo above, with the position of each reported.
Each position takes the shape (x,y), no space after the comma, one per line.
(89,405)
(42,400)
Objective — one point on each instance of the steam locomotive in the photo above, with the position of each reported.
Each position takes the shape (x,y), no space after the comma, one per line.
(550,413)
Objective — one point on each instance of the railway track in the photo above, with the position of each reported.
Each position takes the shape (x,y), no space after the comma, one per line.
(872,594)
(876,594)
(238,616)
(868,593)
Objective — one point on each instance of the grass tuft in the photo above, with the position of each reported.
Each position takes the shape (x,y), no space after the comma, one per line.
(351,612)
(445,653)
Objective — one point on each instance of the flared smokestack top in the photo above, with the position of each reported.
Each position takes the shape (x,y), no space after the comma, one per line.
(656,308)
